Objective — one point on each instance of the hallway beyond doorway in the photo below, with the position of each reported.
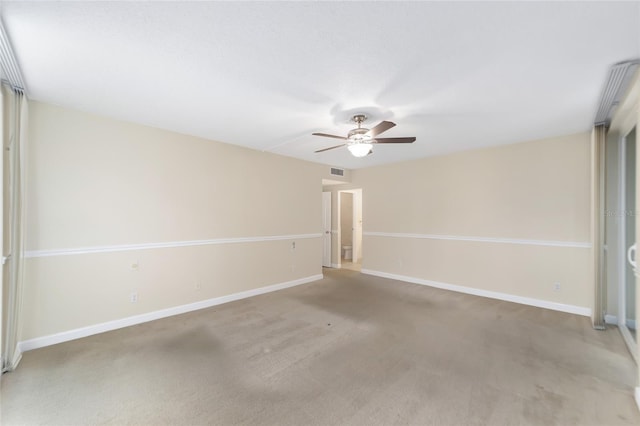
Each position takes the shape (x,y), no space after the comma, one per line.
(347,264)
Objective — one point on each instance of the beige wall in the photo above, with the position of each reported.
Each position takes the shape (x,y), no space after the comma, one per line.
(534,191)
(332,180)
(96,182)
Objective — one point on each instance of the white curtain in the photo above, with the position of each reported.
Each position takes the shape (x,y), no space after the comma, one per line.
(15,114)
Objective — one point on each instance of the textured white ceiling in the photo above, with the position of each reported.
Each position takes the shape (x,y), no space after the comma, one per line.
(266,75)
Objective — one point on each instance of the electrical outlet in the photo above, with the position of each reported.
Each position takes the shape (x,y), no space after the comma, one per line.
(198,286)
(556,286)
(135,266)
(133,298)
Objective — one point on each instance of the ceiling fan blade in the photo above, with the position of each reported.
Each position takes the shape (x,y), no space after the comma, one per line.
(395,140)
(328,136)
(327,149)
(382,127)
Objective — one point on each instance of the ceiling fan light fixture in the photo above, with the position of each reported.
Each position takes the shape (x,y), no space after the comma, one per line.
(360,141)
(360,149)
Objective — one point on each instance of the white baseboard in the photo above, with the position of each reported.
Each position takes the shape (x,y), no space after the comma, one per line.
(638,397)
(17,356)
(336,265)
(612,319)
(572,309)
(65,336)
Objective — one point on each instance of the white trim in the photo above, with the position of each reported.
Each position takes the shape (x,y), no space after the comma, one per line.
(66,336)
(336,265)
(572,309)
(170,244)
(17,356)
(611,319)
(637,393)
(572,244)
(629,340)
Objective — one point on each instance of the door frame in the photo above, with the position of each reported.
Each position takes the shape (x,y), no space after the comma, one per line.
(622,236)
(326,229)
(356,224)
(624,119)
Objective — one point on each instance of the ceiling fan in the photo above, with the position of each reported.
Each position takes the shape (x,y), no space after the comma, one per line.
(360,141)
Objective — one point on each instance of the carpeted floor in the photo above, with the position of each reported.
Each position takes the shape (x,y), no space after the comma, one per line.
(350,349)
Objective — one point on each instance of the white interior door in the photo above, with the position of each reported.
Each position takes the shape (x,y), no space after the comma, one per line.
(326,229)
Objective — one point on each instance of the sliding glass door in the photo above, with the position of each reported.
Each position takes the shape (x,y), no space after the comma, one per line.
(627,296)
(620,229)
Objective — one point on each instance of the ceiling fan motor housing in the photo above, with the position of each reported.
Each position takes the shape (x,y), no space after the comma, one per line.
(359,135)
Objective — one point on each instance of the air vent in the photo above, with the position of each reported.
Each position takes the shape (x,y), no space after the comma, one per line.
(8,63)
(337,172)
(614,90)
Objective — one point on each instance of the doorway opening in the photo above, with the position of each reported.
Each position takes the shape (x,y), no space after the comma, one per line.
(350,229)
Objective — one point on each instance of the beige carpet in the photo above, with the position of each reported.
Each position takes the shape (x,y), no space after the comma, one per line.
(350,349)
